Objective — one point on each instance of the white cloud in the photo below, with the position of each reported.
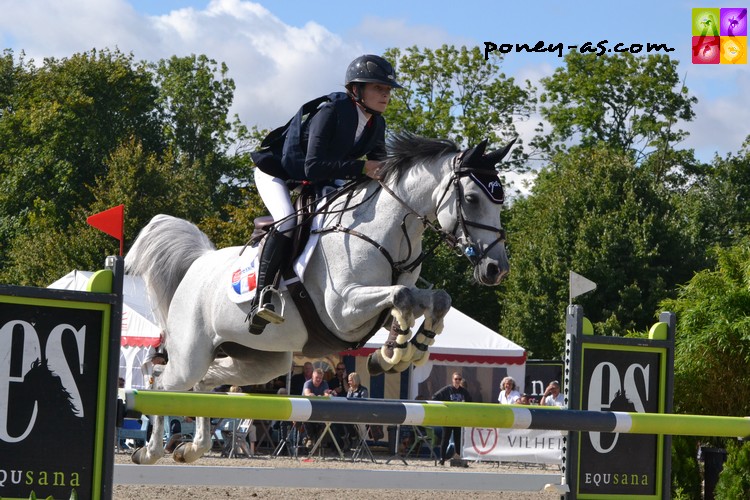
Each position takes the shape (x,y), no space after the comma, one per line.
(720,125)
(382,33)
(276,67)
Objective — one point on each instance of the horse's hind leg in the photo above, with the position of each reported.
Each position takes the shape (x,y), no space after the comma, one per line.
(154,449)
(253,367)
(191,451)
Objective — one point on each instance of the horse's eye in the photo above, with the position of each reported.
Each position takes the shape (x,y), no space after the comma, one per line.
(471,198)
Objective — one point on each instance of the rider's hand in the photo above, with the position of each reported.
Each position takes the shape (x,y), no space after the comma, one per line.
(372,169)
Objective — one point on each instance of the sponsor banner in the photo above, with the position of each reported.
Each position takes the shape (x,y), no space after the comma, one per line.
(512,445)
(624,379)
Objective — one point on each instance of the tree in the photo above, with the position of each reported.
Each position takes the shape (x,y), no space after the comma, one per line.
(594,212)
(716,205)
(712,348)
(629,102)
(59,125)
(195,95)
(456,94)
(49,248)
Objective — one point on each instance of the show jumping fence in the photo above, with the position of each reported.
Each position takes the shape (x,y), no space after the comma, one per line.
(429,413)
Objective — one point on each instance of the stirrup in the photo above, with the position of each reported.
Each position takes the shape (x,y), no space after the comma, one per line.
(266,309)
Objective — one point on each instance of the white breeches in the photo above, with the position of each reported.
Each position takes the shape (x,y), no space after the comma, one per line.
(275,194)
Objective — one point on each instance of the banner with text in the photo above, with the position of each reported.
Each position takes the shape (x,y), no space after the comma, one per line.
(512,445)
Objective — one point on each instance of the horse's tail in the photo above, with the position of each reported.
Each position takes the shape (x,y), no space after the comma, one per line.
(162,253)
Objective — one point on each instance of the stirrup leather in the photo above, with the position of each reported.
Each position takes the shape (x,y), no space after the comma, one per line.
(266,309)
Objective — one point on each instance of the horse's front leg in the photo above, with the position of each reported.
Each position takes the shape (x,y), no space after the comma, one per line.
(154,449)
(439,305)
(406,303)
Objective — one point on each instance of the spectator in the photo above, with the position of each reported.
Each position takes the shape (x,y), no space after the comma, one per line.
(452,392)
(298,381)
(552,395)
(316,386)
(338,384)
(509,394)
(356,391)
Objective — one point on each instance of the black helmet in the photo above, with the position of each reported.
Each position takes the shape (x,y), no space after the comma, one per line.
(371,69)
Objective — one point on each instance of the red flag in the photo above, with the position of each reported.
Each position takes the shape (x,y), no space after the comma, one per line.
(110,221)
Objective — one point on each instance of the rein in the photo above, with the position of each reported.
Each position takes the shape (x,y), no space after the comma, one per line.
(467,249)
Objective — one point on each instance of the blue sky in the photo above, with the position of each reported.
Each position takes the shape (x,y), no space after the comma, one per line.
(282,53)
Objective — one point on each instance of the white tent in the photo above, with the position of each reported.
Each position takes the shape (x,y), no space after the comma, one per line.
(464,342)
(140,332)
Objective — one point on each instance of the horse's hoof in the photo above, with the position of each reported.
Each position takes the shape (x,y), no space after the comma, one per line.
(375,364)
(137,456)
(399,367)
(179,454)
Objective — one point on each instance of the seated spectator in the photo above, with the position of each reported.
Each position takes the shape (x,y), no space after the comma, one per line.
(356,391)
(552,395)
(339,383)
(508,393)
(298,380)
(316,386)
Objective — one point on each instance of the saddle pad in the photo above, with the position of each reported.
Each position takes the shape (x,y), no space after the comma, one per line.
(243,271)
(242,276)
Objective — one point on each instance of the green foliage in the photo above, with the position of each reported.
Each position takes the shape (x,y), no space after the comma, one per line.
(454,93)
(734,480)
(712,346)
(686,478)
(82,134)
(592,211)
(59,125)
(626,101)
(716,206)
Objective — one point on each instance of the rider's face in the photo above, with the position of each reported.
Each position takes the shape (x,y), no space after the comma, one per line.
(376,96)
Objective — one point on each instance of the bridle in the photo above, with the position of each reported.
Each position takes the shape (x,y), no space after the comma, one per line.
(463,246)
(467,248)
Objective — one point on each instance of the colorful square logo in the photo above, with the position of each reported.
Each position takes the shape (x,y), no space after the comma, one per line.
(733,22)
(733,50)
(719,35)
(706,50)
(706,21)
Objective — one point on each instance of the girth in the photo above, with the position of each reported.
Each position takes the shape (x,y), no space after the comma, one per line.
(320,340)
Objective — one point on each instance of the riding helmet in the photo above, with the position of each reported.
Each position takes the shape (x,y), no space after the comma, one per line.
(371,69)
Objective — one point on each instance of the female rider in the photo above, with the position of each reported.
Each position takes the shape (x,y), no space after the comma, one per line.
(342,131)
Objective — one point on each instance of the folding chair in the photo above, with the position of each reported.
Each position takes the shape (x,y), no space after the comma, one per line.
(423,436)
(235,440)
(362,450)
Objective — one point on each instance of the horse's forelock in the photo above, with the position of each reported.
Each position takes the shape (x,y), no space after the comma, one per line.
(406,149)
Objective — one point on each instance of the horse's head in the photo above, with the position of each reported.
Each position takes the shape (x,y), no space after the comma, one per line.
(469,208)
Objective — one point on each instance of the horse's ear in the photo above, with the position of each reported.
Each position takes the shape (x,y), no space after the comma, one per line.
(475,153)
(495,157)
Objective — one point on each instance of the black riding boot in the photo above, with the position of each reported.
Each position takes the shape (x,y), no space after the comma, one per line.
(276,253)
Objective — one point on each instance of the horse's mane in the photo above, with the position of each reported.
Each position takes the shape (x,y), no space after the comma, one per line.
(406,149)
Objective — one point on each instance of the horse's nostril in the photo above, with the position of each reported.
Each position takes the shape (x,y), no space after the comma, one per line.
(492,270)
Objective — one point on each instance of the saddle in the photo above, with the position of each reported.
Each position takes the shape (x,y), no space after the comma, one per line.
(321,341)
